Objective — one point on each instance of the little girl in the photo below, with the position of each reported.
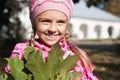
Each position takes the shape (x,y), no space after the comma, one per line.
(49,20)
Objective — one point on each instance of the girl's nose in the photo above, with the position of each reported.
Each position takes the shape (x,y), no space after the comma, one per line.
(52,28)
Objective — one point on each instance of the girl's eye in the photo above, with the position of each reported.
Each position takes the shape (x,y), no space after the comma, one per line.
(44,21)
(61,22)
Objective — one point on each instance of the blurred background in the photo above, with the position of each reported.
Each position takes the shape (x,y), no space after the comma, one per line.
(94,27)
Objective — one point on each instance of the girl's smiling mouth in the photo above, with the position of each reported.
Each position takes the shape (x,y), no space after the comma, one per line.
(51,37)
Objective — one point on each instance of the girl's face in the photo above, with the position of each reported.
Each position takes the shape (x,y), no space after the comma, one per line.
(51,26)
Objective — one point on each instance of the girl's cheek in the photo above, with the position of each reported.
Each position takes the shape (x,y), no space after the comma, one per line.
(63,29)
(42,27)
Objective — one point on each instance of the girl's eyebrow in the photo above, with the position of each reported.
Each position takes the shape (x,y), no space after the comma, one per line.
(61,21)
(47,19)
(43,19)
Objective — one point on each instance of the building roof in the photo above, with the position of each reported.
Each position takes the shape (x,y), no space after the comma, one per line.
(81,10)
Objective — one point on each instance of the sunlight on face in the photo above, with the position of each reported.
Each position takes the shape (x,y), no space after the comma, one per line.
(51,26)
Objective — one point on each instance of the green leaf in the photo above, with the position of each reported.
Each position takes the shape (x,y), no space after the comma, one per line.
(28,50)
(17,66)
(35,64)
(54,60)
(3,77)
(29,77)
(55,67)
(66,66)
(69,63)
(73,76)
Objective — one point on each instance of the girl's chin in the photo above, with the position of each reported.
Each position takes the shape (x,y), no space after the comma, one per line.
(50,44)
(51,38)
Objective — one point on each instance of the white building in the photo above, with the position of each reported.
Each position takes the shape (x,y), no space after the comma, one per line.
(93,23)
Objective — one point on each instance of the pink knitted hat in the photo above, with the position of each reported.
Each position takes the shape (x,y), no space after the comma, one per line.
(39,6)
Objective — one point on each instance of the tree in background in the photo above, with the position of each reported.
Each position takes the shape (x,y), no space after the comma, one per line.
(114,7)
(96,3)
(10,24)
(111,6)
(76,1)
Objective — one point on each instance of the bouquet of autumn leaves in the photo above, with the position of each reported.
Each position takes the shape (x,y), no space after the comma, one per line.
(33,67)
